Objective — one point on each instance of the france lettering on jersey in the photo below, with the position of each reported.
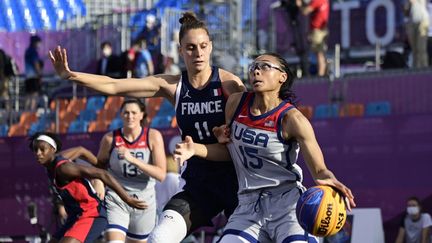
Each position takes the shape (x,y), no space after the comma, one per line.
(78,196)
(262,158)
(132,178)
(198,111)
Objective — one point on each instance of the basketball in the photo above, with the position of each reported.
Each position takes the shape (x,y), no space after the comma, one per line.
(321,211)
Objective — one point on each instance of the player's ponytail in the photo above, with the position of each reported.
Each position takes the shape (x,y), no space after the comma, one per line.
(188,22)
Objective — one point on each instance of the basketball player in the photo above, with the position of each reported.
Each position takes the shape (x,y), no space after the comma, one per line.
(266,134)
(199,95)
(135,156)
(86,214)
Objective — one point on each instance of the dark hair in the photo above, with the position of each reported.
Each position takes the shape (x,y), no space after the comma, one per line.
(188,22)
(413,198)
(285,92)
(34,39)
(54,136)
(138,102)
(105,43)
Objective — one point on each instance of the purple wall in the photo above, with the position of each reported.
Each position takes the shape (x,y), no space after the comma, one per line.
(408,93)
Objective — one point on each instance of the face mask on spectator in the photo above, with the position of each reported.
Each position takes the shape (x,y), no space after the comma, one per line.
(413,210)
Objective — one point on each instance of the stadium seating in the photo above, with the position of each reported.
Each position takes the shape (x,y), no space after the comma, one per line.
(63,103)
(352,110)
(32,15)
(95,103)
(76,105)
(17,130)
(87,115)
(4,128)
(78,127)
(379,108)
(326,111)
(116,123)
(97,126)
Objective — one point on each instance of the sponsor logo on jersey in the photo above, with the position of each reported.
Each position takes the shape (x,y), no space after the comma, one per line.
(186,95)
(142,143)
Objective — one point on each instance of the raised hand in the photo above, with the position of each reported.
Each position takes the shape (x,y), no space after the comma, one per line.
(58,59)
(184,150)
(222,133)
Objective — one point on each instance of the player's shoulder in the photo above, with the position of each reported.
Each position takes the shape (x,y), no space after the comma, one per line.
(231,82)
(226,75)
(293,115)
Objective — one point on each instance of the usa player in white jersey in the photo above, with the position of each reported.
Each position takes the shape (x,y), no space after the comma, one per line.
(264,136)
(208,89)
(135,156)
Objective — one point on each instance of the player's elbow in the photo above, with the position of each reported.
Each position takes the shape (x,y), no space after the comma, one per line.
(161,176)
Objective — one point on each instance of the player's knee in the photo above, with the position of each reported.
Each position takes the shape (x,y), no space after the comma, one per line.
(179,205)
(232,239)
(171,228)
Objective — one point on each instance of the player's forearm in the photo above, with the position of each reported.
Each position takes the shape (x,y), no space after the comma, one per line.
(213,152)
(112,183)
(151,170)
(99,83)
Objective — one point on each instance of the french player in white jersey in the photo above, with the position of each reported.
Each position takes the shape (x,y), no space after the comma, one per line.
(199,202)
(264,135)
(135,156)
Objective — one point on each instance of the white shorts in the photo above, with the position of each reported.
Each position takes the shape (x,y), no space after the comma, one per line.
(135,223)
(269,216)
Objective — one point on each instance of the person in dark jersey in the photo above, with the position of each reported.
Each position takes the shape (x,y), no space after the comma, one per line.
(86,214)
(264,136)
(199,95)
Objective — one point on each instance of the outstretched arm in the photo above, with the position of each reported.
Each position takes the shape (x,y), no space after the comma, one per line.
(295,125)
(80,152)
(71,171)
(213,152)
(152,86)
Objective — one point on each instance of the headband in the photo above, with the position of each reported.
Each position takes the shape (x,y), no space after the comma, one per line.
(47,139)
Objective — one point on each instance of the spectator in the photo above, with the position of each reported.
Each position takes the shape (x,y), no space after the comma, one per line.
(143,61)
(319,15)
(429,42)
(171,67)
(417,31)
(33,72)
(108,64)
(6,72)
(415,226)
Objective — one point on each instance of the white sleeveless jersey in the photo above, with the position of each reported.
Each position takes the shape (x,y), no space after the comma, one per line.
(127,174)
(261,157)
